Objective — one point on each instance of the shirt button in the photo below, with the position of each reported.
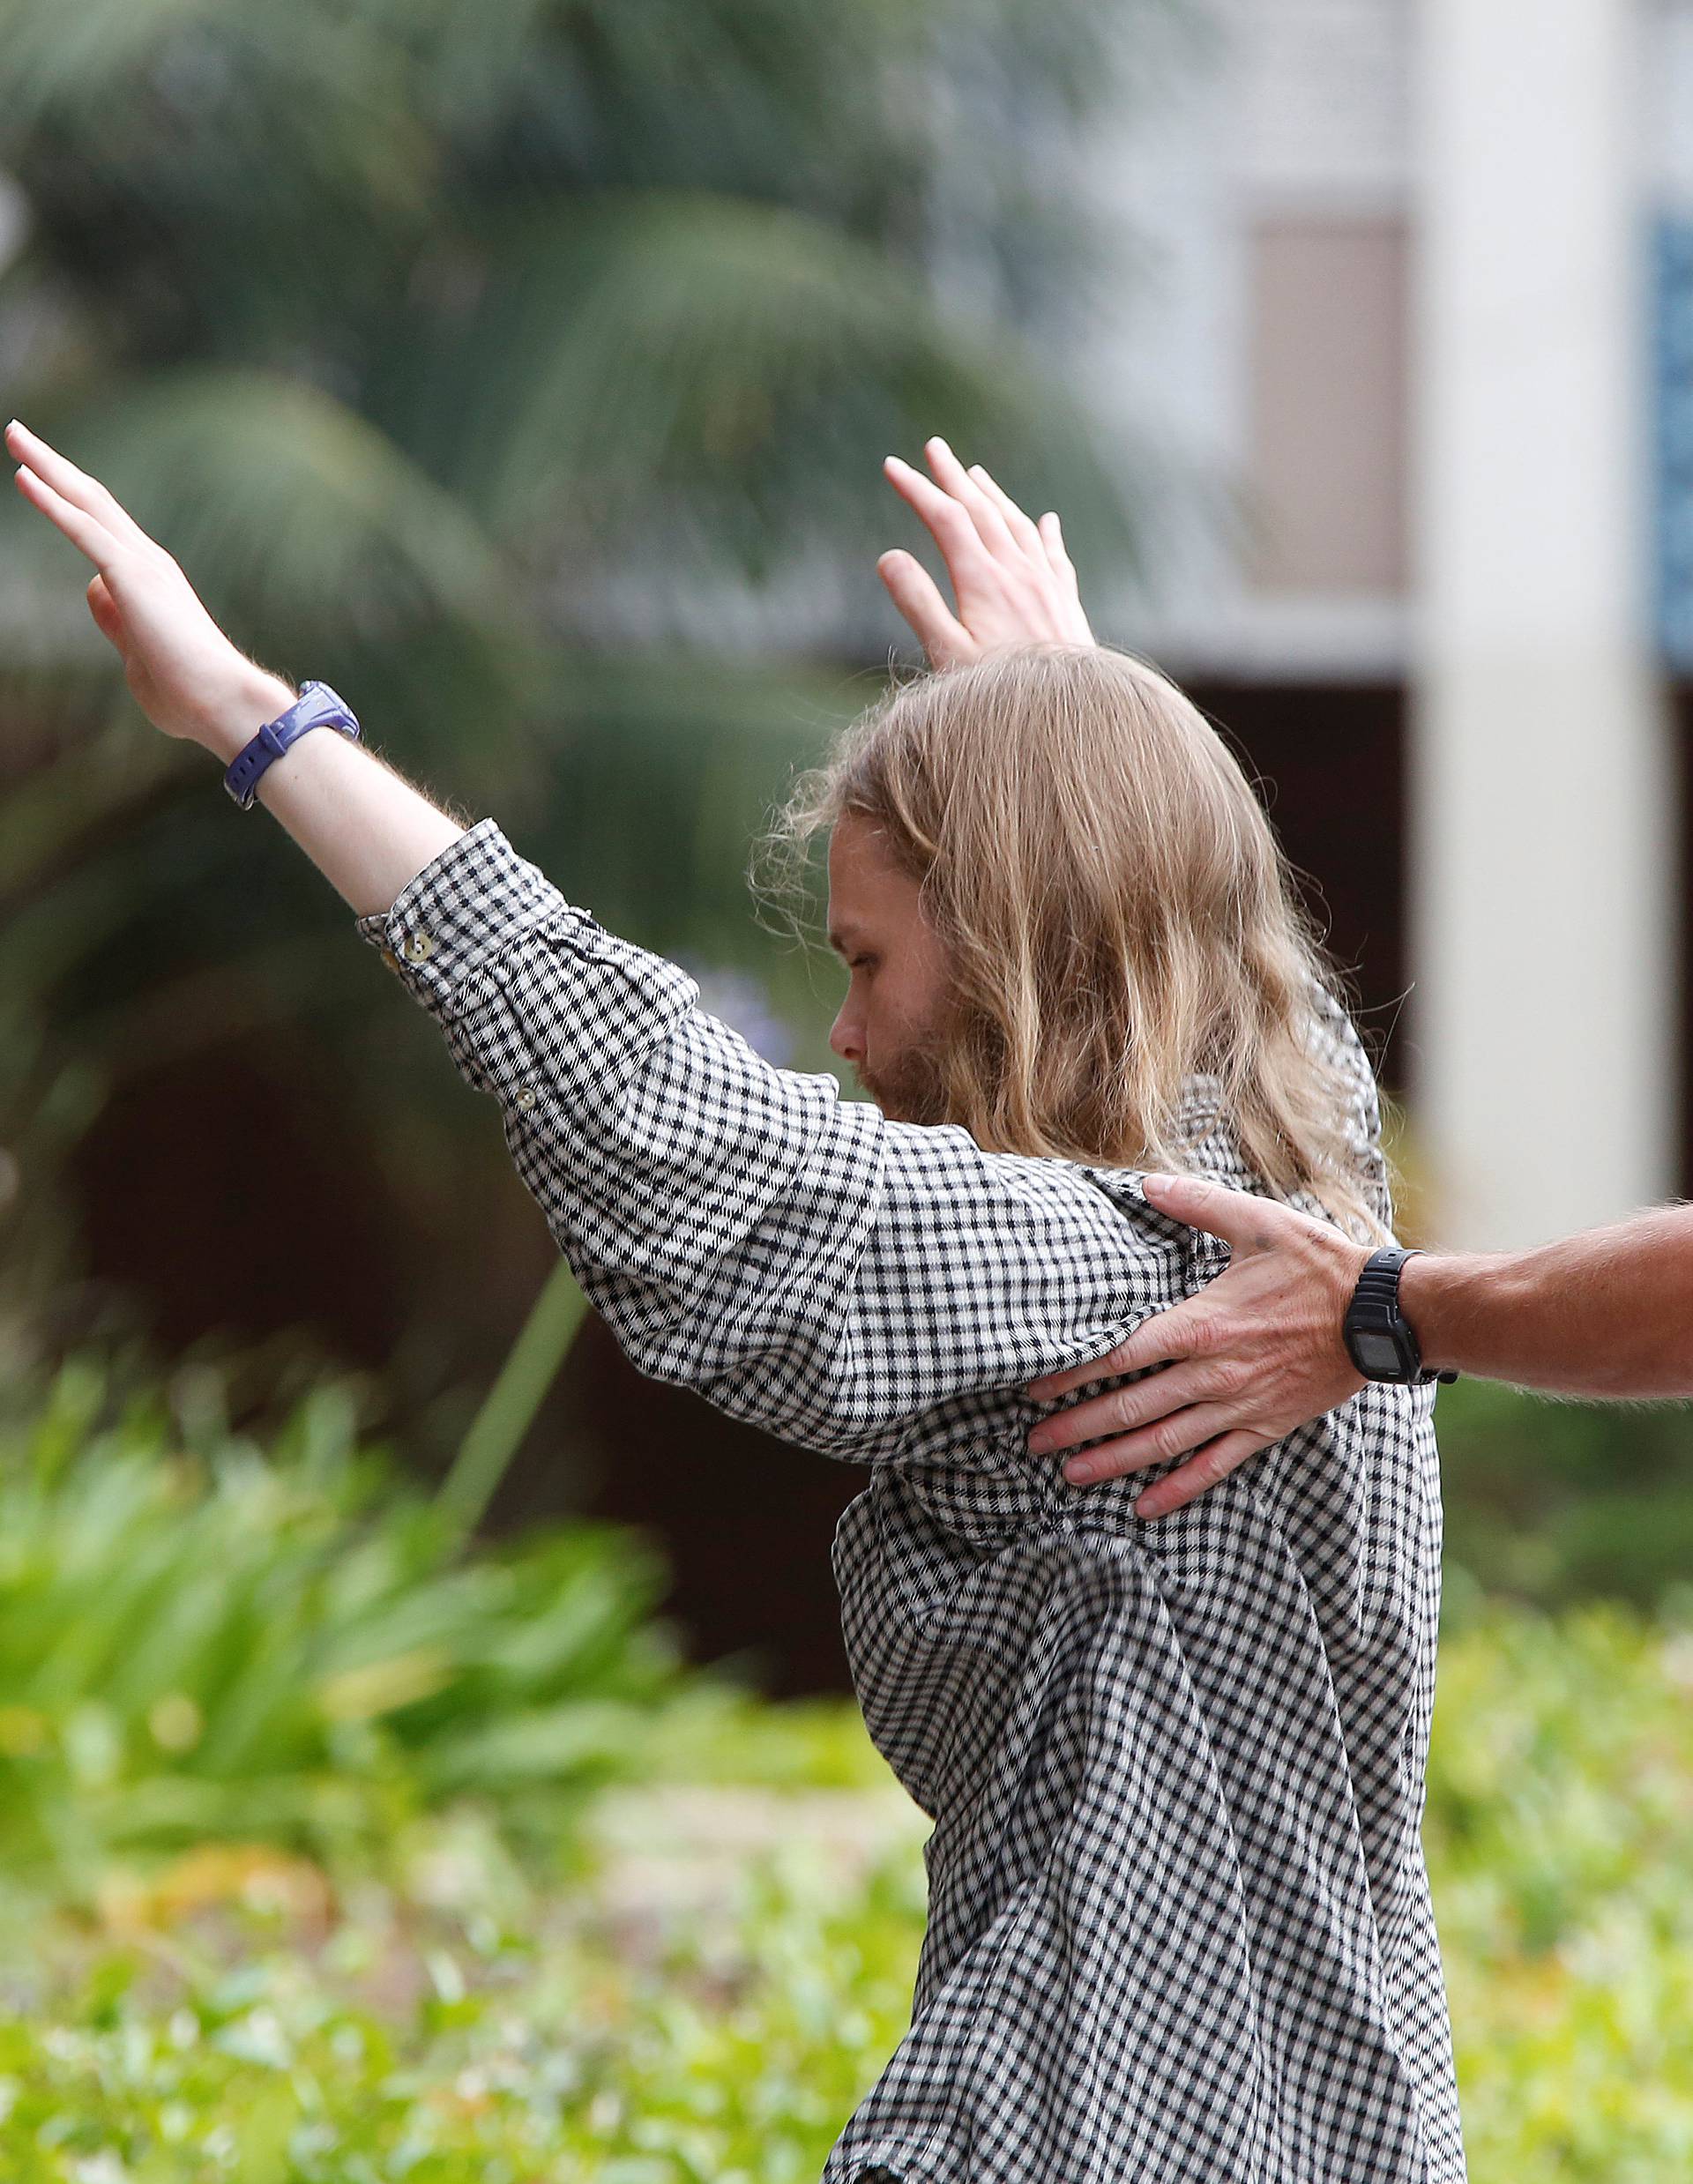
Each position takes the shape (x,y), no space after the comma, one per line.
(419,948)
(525,1095)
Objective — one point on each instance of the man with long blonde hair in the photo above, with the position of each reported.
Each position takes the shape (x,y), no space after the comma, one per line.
(1179,1923)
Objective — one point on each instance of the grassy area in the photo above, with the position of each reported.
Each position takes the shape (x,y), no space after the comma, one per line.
(732,1963)
(334,1854)
(247,2020)
(1560,1840)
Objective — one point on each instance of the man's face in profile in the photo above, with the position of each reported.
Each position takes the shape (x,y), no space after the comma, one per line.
(894,1016)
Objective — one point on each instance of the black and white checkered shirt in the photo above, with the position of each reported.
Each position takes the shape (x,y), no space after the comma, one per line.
(1179,1925)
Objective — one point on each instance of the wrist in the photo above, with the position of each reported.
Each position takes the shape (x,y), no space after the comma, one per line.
(233,716)
(1436,1293)
(1380,1339)
(1344,1269)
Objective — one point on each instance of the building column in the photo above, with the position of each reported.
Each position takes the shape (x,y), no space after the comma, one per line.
(1544,1009)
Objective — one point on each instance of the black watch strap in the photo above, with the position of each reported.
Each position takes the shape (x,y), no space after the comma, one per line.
(1380,1341)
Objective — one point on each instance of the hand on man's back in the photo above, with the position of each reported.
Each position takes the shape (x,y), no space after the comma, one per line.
(1254,1356)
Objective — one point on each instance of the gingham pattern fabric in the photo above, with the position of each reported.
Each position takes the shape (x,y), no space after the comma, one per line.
(1179,1924)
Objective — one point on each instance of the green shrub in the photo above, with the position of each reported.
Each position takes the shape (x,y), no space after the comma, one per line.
(307,1886)
(293,1647)
(1560,1842)
(464,2052)
(450,2020)
(1554,1503)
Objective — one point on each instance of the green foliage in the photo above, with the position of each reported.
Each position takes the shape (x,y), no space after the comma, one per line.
(509,1406)
(1560,1840)
(729,2050)
(338,1850)
(292,1647)
(1555,1502)
(453,2017)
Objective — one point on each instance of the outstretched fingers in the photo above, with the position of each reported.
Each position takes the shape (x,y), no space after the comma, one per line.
(1009,590)
(918,597)
(947,520)
(1052,539)
(1171,1336)
(1125,1409)
(74,486)
(1246,1223)
(1179,1435)
(84,532)
(1016,521)
(951,476)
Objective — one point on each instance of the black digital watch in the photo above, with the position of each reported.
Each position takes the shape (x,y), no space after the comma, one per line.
(1379,1340)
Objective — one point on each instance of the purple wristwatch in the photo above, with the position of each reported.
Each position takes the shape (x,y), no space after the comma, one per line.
(317,707)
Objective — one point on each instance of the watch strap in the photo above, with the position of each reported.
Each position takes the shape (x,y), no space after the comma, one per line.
(317,707)
(1375,1309)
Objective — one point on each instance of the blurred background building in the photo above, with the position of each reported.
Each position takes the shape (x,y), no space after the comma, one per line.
(1411,289)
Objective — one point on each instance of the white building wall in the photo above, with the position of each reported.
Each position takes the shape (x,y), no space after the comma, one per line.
(1526,144)
(1544,912)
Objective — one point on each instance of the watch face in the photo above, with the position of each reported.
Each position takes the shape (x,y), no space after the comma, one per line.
(1378,1354)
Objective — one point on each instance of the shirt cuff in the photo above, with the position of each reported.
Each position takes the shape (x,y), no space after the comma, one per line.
(459,915)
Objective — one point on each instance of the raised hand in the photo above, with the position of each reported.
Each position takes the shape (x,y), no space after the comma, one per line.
(1012,579)
(185,675)
(1254,1356)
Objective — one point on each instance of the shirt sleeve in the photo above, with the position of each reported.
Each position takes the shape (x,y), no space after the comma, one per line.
(801,1261)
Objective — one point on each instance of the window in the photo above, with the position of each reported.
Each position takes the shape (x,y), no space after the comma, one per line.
(1327,457)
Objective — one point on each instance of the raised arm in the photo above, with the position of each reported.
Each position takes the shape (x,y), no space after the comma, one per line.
(797,1258)
(366,829)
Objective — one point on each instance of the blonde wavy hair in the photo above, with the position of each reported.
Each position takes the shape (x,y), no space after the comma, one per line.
(1119,918)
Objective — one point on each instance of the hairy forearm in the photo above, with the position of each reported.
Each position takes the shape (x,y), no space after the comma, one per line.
(365,828)
(1606,1313)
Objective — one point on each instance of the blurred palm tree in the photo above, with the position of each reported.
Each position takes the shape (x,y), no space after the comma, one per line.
(522,367)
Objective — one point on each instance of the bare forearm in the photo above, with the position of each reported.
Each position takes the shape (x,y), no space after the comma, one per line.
(365,828)
(1606,1313)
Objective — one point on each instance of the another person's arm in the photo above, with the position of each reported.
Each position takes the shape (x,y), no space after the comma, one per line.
(1608,1314)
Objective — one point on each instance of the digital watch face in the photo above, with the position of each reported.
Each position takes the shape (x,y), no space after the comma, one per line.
(1377,1354)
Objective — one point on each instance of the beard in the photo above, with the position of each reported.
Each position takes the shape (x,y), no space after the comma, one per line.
(911,1088)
